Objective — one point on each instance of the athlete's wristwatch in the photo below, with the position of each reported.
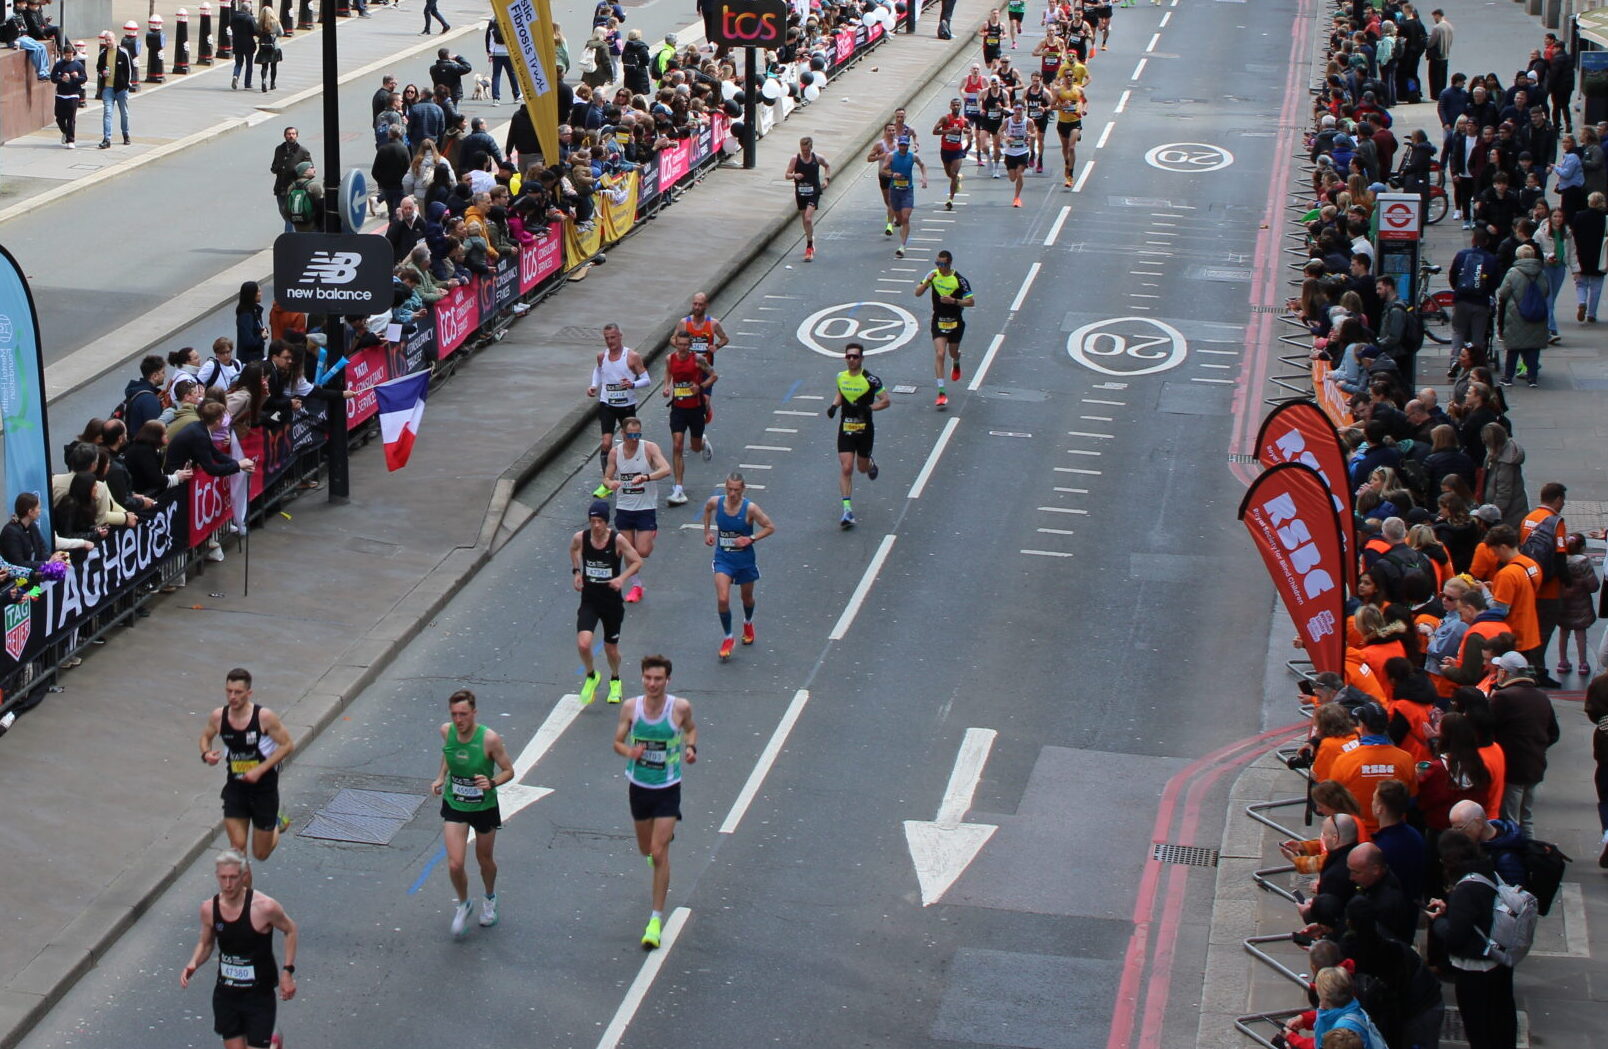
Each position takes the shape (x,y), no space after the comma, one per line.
(291,969)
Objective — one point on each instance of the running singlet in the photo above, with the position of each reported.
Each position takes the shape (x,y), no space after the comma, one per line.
(685,379)
(1066,105)
(1015,139)
(732,527)
(952,129)
(808,185)
(1050,64)
(465,761)
(660,763)
(946,317)
(632,494)
(1037,104)
(994,105)
(970,89)
(901,166)
(245,956)
(702,334)
(246,748)
(617,385)
(859,393)
(1017,7)
(599,566)
(993,34)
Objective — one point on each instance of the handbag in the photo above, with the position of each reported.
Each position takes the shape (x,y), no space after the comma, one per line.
(589,61)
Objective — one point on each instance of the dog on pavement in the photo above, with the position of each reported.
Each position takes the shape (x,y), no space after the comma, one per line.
(482,87)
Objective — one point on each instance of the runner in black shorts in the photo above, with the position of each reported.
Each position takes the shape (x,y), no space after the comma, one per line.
(859,394)
(951,293)
(688,378)
(1100,15)
(474,763)
(993,34)
(881,148)
(954,139)
(241,922)
(995,103)
(809,173)
(601,560)
(1038,113)
(615,380)
(254,743)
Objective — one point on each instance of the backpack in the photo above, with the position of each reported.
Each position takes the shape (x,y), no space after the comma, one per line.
(1412,332)
(121,411)
(299,205)
(1533,303)
(1514,915)
(1363,1024)
(1544,865)
(1472,278)
(1542,547)
(1416,480)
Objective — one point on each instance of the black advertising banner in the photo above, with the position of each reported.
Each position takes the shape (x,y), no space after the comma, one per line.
(745,23)
(337,273)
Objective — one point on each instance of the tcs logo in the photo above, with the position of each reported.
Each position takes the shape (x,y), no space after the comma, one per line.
(746,23)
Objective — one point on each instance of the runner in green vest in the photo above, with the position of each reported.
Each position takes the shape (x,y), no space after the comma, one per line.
(655,735)
(1015,11)
(474,763)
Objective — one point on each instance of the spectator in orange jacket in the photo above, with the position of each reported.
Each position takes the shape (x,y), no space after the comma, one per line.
(1361,767)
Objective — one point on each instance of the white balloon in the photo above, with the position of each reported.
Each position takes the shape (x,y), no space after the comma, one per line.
(812,93)
(731,146)
(771,90)
(869,18)
(820,78)
(888,17)
(728,90)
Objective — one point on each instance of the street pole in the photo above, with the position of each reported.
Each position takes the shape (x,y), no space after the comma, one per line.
(340,482)
(751,110)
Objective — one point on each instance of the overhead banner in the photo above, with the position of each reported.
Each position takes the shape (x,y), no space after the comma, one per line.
(22,393)
(1291,518)
(1300,432)
(527,28)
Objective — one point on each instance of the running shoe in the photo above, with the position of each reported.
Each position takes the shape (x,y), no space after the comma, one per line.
(847,521)
(602,491)
(708,449)
(589,687)
(873,471)
(615,686)
(650,935)
(726,648)
(809,253)
(949,205)
(677,496)
(954,372)
(1069,182)
(887,231)
(1016,202)
(284,821)
(277,1041)
(748,635)
(1039,167)
(996,173)
(635,595)
(1534,385)
(488,912)
(942,401)
(460,917)
(1584,669)
(898,253)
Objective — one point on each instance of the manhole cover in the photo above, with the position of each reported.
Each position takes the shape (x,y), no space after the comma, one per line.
(376,547)
(383,803)
(1185,855)
(363,817)
(574,333)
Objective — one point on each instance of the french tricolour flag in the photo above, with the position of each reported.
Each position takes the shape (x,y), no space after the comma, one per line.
(401,403)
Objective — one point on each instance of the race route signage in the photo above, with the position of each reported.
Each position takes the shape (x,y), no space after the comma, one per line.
(341,273)
(745,23)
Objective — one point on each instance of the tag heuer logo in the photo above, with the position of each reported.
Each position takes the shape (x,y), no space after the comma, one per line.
(19,624)
(331,267)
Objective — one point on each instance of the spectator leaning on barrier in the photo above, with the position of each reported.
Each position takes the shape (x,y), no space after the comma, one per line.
(114,442)
(193,447)
(21,542)
(144,459)
(186,403)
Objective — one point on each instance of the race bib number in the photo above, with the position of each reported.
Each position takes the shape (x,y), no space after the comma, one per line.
(655,752)
(683,390)
(616,393)
(632,488)
(465,790)
(729,541)
(700,346)
(952,138)
(970,105)
(805,189)
(948,324)
(853,425)
(239,766)
(601,573)
(900,182)
(236,970)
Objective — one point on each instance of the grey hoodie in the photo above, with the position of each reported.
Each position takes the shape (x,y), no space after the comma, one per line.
(1518,333)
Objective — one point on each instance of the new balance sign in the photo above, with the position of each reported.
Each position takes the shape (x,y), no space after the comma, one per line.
(332,273)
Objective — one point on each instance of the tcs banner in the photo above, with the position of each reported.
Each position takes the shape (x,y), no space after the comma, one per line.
(1291,518)
(1300,432)
(745,23)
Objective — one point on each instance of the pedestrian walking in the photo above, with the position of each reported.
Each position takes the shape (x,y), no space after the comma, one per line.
(1556,255)
(243,31)
(1588,227)
(69,76)
(287,155)
(432,11)
(114,73)
(1438,49)
(269,30)
(497,55)
(1522,314)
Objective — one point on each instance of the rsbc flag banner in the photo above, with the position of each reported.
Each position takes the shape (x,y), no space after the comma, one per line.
(1301,432)
(527,29)
(1291,518)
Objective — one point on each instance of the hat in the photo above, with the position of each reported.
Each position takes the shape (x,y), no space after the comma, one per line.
(1530,75)
(1369,351)
(1343,141)
(902,140)
(599,508)
(1378,187)
(1419,515)
(1512,662)
(1372,717)
(1489,514)
(304,167)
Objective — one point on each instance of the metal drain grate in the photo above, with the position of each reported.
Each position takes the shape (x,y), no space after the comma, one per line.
(1185,855)
(1267,309)
(363,817)
(1452,1027)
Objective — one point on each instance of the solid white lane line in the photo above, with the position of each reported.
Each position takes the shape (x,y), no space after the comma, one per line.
(1044,553)
(1063,510)
(920,484)
(1088,418)
(1138,69)
(988,358)
(1083,176)
(1075,470)
(644,980)
(857,598)
(753,466)
(1106,134)
(1154,40)
(767,758)
(1027,283)
(1055,229)
(558,719)
(1096,400)
(779,429)
(766,448)
(1122,103)
(1055,531)
(1100,436)
(1165,19)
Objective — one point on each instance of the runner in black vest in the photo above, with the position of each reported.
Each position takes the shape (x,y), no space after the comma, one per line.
(255,742)
(601,561)
(809,173)
(241,922)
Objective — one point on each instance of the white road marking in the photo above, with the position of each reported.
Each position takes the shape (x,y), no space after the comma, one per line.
(929,240)
(1076,470)
(787,411)
(1044,553)
(1083,176)
(1159,233)
(1055,228)
(1080,451)
(754,466)
(766,448)
(896,280)
(1226,353)
(1122,102)
(558,719)
(920,484)
(1088,418)
(1154,40)
(1225,382)
(779,429)
(1140,68)
(863,588)
(1106,134)
(644,980)
(988,359)
(942,849)
(781,296)
(1142,295)
(1576,940)
(1165,19)
(1027,284)
(808,397)
(1071,491)
(904,269)
(1100,436)
(1064,510)
(745,321)
(1224,367)
(696,524)
(1144,273)
(1055,531)
(1096,400)
(767,758)
(1147,251)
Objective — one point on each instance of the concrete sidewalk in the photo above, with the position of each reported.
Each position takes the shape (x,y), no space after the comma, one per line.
(336,591)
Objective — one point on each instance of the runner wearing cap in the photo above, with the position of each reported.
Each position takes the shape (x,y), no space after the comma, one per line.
(900,166)
(601,560)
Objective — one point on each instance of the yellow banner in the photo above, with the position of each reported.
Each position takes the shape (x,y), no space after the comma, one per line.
(617,203)
(527,29)
(579,244)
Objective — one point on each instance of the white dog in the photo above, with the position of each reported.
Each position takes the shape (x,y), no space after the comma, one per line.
(482,87)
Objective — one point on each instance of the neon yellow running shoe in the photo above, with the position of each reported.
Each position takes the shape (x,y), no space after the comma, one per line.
(603,491)
(589,687)
(614,690)
(650,935)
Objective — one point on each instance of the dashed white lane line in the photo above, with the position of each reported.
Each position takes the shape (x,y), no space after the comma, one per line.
(1141,295)
(896,280)
(1046,531)
(1223,367)
(1068,491)
(1097,418)
(1150,47)
(754,466)
(644,980)
(1055,228)
(1046,553)
(1064,510)
(1027,284)
(988,359)
(1165,19)
(920,484)
(1224,353)
(766,448)
(694,525)
(1096,400)
(1106,134)
(1076,470)
(787,411)
(1097,436)
(863,588)
(1144,273)
(808,397)
(767,758)
(1083,176)
(779,429)
(1122,102)
(1138,69)
(1225,382)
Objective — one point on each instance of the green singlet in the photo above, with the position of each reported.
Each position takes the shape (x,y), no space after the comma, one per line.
(465,761)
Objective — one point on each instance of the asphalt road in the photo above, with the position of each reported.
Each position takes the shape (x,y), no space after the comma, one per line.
(1069,576)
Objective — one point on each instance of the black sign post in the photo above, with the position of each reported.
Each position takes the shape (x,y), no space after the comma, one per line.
(751,110)
(340,483)
(750,25)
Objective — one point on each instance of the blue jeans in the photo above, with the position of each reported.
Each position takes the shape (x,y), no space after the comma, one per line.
(499,65)
(1588,292)
(109,97)
(246,59)
(36,54)
(1532,364)
(1555,277)
(430,11)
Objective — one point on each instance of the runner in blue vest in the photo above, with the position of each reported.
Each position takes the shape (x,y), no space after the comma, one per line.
(738,525)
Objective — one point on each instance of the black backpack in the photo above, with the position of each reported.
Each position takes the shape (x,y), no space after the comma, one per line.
(1412,332)
(1542,548)
(1544,865)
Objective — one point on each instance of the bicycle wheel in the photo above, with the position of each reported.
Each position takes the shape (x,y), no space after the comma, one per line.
(1436,209)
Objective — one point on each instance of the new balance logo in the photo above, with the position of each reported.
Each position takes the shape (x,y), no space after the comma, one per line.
(331,267)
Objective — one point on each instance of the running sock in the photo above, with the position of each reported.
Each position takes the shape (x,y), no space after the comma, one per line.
(940,384)
(748,614)
(846,505)
(725,622)
(657,916)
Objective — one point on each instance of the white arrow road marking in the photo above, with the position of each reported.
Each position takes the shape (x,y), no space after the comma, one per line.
(943,848)
(514,796)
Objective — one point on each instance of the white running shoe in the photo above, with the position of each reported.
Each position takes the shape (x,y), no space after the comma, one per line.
(488,912)
(708,450)
(677,496)
(460,916)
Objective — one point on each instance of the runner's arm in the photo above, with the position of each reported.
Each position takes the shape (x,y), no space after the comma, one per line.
(965,298)
(792,168)
(658,465)
(709,373)
(498,752)
(762,519)
(689,732)
(575,559)
(597,377)
(612,467)
(708,516)
(882,400)
(640,370)
(203,946)
(283,744)
(214,723)
(631,561)
(721,340)
(622,732)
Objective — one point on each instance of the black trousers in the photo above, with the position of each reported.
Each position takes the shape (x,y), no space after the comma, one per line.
(1490,1016)
(67,117)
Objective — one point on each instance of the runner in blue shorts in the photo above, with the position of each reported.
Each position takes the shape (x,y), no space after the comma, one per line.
(738,524)
(901,166)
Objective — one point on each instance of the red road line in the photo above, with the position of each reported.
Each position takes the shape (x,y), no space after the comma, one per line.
(1126,1007)
(1265,293)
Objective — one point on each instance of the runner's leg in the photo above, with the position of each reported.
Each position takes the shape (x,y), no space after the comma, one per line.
(678,461)
(484,844)
(663,829)
(845,482)
(723,602)
(456,838)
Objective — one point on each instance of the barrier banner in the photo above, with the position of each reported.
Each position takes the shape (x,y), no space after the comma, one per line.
(457,313)
(366,370)
(209,504)
(674,163)
(1291,518)
(579,244)
(1330,396)
(505,289)
(542,259)
(1299,431)
(618,208)
(844,41)
(647,183)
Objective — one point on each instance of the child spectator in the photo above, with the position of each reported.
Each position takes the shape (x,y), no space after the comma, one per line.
(1575,612)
